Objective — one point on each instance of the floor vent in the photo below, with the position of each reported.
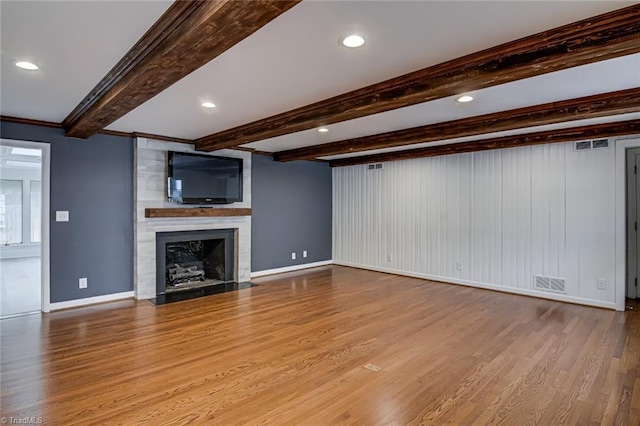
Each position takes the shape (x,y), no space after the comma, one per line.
(372,367)
(593,144)
(555,285)
(375,166)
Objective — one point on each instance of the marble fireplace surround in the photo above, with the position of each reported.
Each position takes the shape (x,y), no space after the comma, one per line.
(150,191)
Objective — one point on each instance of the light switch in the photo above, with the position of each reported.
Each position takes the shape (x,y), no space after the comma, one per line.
(62,216)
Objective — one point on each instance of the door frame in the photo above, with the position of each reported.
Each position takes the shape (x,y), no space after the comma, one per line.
(45,214)
(632,217)
(621,146)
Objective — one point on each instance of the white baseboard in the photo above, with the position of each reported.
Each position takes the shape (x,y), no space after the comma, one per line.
(290,268)
(91,300)
(487,286)
(23,314)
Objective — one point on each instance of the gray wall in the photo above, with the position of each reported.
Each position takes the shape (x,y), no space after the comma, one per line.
(291,205)
(93,179)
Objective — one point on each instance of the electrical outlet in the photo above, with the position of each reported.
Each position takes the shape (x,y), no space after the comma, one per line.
(602,284)
(62,216)
(458,266)
(293,256)
(388,257)
(82,283)
(304,253)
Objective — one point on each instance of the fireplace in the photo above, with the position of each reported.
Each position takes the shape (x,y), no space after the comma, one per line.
(151,192)
(194,259)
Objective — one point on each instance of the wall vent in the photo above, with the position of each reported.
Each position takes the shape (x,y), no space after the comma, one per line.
(555,285)
(600,143)
(582,145)
(592,144)
(375,166)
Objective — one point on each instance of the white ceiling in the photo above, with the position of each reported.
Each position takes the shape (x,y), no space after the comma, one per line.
(294,60)
(600,77)
(75,43)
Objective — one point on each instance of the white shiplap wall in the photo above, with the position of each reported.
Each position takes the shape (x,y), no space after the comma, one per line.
(505,215)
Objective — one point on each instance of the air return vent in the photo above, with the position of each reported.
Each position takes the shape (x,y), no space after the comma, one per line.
(555,285)
(582,145)
(593,144)
(600,143)
(375,166)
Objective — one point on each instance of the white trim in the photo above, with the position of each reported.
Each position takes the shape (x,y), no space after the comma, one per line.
(620,212)
(46,227)
(290,268)
(21,315)
(45,210)
(487,286)
(91,300)
(20,250)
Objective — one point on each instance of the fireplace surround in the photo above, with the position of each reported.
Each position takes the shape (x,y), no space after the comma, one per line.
(192,259)
(150,192)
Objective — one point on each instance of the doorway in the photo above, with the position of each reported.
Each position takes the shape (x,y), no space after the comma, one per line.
(633,221)
(24,227)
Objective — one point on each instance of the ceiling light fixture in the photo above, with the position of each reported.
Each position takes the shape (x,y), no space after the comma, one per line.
(353,41)
(26,65)
(465,98)
(323,130)
(208,104)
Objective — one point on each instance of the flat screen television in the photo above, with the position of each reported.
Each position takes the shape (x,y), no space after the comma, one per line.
(204,179)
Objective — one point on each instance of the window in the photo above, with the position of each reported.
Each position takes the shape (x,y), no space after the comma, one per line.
(35,211)
(10,212)
(20,211)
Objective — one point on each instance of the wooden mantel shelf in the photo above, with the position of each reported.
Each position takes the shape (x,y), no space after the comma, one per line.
(195,212)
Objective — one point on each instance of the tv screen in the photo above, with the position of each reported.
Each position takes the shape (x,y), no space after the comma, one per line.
(204,179)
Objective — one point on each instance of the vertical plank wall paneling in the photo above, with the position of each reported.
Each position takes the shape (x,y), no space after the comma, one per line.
(504,215)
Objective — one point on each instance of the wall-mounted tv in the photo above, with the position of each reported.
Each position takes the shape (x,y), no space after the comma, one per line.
(204,179)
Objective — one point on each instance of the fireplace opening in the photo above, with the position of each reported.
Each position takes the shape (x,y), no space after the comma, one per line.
(194,263)
(193,259)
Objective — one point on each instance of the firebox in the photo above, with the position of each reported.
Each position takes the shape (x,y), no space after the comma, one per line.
(193,259)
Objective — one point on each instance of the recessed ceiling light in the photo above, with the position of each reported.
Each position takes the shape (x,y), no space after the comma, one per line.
(323,130)
(465,98)
(26,65)
(208,104)
(353,40)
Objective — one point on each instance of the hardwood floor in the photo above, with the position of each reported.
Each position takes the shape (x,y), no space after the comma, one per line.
(292,351)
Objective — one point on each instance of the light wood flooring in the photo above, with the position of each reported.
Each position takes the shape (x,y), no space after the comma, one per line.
(293,351)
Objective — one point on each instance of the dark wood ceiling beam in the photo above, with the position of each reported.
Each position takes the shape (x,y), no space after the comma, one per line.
(606,130)
(601,105)
(591,40)
(187,36)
